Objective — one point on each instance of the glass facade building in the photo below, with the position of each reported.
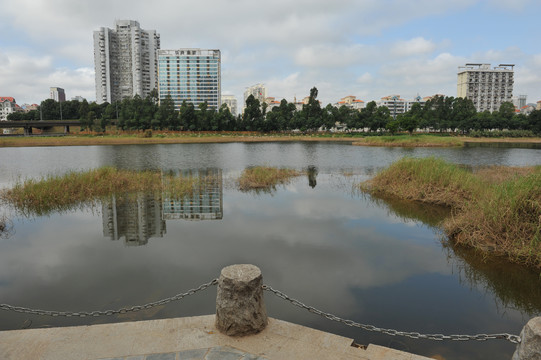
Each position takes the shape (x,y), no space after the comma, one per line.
(193,75)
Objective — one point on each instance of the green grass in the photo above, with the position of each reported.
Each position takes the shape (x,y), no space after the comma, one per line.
(264,177)
(57,193)
(495,215)
(411,141)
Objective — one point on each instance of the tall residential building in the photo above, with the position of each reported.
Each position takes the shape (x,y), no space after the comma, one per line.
(125,61)
(487,88)
(191,75)
(258,91)
(231,102)
(57,94)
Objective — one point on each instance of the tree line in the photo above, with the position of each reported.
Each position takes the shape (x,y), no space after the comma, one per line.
(439,114)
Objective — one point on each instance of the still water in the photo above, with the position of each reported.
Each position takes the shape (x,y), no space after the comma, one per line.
(316,239)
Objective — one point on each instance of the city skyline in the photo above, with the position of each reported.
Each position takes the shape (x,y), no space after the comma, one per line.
(367,49)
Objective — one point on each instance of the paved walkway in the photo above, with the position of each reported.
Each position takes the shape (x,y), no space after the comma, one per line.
(192,338)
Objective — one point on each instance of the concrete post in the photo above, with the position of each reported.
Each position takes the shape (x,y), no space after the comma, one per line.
(240,309)
(530,347)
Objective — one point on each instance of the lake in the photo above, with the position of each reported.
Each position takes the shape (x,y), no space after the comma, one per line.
(317,239)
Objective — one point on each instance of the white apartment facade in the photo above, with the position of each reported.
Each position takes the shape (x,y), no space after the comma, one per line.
(487,88)
(231,102)
(7,106)
(125,61)
(258,91)
(395,104)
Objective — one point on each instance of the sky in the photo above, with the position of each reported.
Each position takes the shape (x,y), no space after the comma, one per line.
(365,48)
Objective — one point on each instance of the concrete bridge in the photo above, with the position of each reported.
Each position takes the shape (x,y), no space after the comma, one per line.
(39,124)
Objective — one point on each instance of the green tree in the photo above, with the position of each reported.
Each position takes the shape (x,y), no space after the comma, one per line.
(50,110)
(252,117)
(83,109)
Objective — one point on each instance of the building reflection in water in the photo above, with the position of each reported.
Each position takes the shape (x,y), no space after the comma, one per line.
(204,203)
(134,218)
(138,217)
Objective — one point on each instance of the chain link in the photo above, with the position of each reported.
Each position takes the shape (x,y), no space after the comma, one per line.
(108,312)
(414,335)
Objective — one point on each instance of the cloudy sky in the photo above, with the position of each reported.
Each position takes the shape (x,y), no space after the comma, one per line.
(366,48)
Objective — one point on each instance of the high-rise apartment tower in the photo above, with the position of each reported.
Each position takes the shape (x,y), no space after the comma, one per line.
(258,91)
(487,88)
(125,61)
(57,94)
(191,75)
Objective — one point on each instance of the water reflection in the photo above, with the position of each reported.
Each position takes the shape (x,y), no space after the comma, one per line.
(134,218)
(312,174)
(204,203)
(516,287)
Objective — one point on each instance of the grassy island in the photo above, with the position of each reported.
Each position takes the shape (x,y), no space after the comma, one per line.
(57,193)
(495,209)
(264,177)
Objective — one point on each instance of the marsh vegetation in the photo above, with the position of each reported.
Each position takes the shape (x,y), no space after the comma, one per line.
(494,209)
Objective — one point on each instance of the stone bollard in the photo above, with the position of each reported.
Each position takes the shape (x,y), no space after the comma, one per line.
(530,347)
(240,309)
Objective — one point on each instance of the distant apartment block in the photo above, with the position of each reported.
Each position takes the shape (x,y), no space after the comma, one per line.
(125,61)
(351,102)
(78,98)
(7,106)
(487,88)
(191,75)
(57,94)
(258,91)
(231,102)
(271,103)
(520,101)
(394,103)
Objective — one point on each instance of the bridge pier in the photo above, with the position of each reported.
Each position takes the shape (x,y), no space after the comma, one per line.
(66,129)
(27,130)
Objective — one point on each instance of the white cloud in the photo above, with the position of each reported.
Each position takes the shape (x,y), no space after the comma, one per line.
(344,46)
(332,56)
(28,78)
(415,46)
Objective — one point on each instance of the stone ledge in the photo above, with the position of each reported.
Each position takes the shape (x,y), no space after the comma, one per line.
(279,340)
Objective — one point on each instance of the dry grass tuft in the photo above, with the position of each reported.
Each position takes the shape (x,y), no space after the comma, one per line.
(264,177)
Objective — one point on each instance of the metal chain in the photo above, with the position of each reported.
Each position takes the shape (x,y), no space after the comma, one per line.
(108,312)
(414,335)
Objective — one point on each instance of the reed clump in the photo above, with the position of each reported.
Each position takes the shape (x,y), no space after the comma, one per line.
(53,193)
(265,177)
(493,210)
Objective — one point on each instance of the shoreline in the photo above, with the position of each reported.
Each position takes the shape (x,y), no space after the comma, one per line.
(194,138)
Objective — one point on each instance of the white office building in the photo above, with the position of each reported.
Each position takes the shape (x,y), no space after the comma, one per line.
(191,75)
(125,61)
(487,88)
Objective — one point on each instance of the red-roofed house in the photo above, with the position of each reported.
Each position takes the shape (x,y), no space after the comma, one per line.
(351,102)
